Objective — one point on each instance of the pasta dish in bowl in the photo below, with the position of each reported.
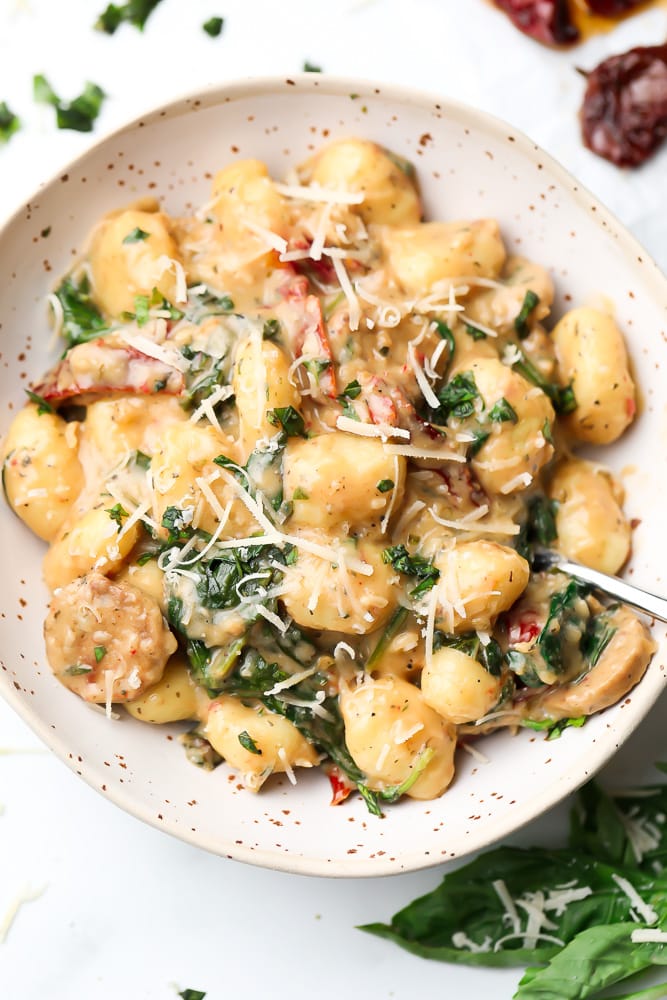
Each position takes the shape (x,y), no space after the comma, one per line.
(293,466)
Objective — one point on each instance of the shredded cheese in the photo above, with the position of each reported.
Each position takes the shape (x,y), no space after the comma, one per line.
(313,192)
(650,935)
(292,680)
(272,240)
(25,895)
(348,291)
(639,907)
(524,479)
(383,431)
(422,381)
(410,451)
(159,352)
(511,914)
(206,407)
(289,770)
(474,752)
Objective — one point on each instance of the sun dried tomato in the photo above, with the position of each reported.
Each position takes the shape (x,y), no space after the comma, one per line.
(624,112)
(547,21)
(612,8)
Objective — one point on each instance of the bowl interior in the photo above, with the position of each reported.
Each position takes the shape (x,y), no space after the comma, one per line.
(469,166)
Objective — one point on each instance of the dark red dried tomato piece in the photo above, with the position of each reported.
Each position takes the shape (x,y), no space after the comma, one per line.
(612,8)
(547,21)
(624,113)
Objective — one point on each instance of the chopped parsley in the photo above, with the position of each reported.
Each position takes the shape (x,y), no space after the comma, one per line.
(177,523)
(9,123)
(385,485)
(554,729)
(82,321)
(136,236)
(289,419)
(530,301)
(117,513)
(562,397)
(134,12)
(309,67)
(78,115)
(214,26)
(475,332)
(457,398)
(503,411)
(351,390)
(419,567)
(271,329)
(247,742)
(100,653)
(77,670)
(480,438)
(42,405)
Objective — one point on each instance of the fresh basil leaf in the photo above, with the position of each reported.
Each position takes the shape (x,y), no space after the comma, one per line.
(348,410)
(178,524)
(594,959)
(502,412)
(489,654)
(465,921)
(530,301)
(628,828)
(100,653)
(480,439)
(385,485)
(214,26)
(271,329)
(9,123)
(599,633)
(309,67)
(43,92)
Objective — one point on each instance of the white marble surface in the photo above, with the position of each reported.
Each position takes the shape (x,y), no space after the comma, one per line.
(126,911)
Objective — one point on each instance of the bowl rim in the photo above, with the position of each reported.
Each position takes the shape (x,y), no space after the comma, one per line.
(645,694)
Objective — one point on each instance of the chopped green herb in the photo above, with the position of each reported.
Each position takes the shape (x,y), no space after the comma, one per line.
(214,26)
(146,557)
(77,669)
(247,742)
(475,332)
(599,633)
(142,460)
(416,566)
(289,419)
(9,123)
(385,485)
(392,628)
(199,752)
(82,321)
(45,232)
(351,390)
(79,114)
(134,12)
(136,236)
(539,528)
(480,438)
(393,792)
(100,653)
(316,366)
(192,995)
(117,513)
(309,67)
(42,405)
(457,398)
(348,409)
(271,329)
(554,728)
(562,397)
(546,432)
(502,411)
(300,494)
(177,523)
(490,655)
(530,301)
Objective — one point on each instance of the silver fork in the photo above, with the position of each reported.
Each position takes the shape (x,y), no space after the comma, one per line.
(627,593)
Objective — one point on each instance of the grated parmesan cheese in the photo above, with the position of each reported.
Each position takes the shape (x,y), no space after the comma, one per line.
(313,192)
(383,431)
(652,935)
(289,770)
(25,895)
(168,355)
(348,291)
(272,240)
(639,907)
(410,451)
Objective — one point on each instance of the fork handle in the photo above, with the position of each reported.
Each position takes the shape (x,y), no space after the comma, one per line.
(626,592)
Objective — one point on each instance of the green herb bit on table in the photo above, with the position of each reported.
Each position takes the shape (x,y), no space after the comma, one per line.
(9,123)
(80,114)
(214,26)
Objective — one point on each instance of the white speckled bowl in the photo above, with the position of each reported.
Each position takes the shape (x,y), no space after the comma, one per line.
(469,165)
